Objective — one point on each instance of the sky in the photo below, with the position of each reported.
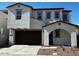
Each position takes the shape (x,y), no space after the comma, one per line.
(74,6)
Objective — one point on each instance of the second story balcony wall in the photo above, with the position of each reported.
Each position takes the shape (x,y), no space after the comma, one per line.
(47,16)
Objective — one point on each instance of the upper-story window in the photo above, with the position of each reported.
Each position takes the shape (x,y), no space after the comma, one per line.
(57,14)
(18,13)
(65,17)
(39,15)
(48,15)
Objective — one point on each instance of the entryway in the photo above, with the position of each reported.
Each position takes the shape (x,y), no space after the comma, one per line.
(65,34)
(59,37)
(51,38)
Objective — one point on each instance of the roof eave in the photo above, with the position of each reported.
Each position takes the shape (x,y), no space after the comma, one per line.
(49,9)
(67,10)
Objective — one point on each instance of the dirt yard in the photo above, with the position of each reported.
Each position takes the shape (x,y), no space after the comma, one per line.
(59,51)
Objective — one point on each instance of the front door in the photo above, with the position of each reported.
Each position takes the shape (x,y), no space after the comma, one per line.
(51,38)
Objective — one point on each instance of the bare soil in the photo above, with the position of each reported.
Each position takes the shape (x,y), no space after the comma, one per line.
(62,51)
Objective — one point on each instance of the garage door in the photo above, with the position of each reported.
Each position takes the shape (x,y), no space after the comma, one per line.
(28,37)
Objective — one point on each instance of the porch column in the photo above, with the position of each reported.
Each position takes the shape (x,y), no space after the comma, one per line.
(11,37)
(45,38)
(73,39)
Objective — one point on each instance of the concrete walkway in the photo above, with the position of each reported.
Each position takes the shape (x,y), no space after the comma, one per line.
(20,50)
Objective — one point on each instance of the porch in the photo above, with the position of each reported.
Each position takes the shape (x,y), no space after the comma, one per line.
(64,34)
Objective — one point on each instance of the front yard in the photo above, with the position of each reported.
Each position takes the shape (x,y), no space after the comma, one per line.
(25,50)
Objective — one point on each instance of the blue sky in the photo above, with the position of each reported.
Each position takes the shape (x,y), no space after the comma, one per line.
(74,6)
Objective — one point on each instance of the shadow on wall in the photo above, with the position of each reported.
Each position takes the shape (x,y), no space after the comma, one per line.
(3,41)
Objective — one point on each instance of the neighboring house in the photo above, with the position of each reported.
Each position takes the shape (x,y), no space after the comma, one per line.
(3,28)
(44,26)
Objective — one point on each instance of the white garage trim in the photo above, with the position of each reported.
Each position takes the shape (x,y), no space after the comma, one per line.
(11,37)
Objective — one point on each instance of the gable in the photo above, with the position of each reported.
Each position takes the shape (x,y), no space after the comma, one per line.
(61,22)
(60,25)
(19,5)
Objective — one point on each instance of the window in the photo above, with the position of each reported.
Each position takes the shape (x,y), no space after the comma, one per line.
(18,13)
(39,15)
(65,17)
(57,15)
(48,15)
(57,33)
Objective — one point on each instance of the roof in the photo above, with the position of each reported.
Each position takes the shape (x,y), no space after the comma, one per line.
(20,4)
(62,22)
(49,9)
(36,9)
(67,10)
(40,8)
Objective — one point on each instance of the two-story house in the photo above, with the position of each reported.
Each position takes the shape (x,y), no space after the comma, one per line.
(44,26)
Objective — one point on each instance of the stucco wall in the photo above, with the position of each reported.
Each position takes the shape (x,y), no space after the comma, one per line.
(36,24)
(3,29)
(24,22)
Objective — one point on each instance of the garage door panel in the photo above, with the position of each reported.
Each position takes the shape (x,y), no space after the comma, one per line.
(28,37)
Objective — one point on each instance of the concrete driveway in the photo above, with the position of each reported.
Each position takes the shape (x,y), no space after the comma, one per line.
(20,50)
